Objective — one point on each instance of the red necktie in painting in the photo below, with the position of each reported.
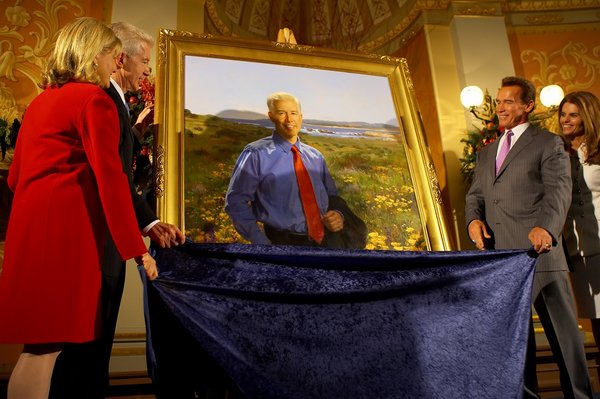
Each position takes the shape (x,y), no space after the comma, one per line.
(503,151)
(309,201)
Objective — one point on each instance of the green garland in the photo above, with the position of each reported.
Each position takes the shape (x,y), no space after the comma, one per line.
(474,142)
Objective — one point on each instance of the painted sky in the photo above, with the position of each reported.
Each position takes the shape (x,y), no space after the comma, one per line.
(213,85)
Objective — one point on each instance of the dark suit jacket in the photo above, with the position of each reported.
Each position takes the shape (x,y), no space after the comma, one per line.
(533,188)
(354,233)
(145,215)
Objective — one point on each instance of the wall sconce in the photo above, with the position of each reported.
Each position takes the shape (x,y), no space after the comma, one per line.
(483,107)
(552,95)
(471,96)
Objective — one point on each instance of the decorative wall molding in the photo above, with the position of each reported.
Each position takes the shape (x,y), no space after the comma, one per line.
(404,25)
(573,67)
(544,19)
(380,10)
(321,23)
(379,25)
(546,5)
(233,9)
(213,14)
(259,17)
(566,28)
(476,10)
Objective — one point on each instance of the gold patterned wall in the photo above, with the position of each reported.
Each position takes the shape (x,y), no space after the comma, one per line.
(570,59)
(565,55)
(28,29)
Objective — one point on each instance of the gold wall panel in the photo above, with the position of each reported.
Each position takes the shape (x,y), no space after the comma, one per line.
(28,29)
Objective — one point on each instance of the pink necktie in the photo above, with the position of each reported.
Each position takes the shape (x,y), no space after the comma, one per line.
(308,199)
(503,151)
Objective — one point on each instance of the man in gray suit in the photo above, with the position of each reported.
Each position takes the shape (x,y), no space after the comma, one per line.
(519,198)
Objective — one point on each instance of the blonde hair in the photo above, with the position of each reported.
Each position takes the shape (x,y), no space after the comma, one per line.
(281,96)
(75,50)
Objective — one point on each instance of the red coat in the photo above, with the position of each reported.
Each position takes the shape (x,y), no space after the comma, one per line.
(68,185)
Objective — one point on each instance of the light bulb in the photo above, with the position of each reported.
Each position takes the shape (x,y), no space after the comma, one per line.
(552,95)
(471,96)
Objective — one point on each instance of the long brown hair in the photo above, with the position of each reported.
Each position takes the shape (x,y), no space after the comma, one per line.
(589,110)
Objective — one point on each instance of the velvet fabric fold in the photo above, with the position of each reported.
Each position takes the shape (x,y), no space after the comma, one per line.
(296,322)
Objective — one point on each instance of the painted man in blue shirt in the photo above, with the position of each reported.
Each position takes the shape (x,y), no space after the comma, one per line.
(263,187)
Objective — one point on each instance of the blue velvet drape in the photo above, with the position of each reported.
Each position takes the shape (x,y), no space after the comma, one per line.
(295,322)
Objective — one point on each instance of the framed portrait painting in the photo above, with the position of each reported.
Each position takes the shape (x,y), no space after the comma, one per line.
(358,110)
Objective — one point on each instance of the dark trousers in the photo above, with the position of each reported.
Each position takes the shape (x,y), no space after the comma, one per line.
(81,370)
(286,238)
(553,301)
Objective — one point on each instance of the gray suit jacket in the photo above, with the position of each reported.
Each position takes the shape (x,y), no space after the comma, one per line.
(533,188)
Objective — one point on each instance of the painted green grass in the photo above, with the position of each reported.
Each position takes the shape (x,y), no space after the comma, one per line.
(371,175)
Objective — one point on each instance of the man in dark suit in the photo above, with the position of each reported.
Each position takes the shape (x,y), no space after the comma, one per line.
(519,198)
(82,370)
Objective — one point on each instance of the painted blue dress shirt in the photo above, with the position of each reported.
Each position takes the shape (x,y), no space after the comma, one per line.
(263,187)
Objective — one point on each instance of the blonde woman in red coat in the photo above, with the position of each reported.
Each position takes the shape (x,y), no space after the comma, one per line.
(69,188)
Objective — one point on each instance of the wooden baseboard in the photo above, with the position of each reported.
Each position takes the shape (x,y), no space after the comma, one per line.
(130,384)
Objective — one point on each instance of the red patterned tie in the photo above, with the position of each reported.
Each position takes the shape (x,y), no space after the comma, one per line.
(309,201)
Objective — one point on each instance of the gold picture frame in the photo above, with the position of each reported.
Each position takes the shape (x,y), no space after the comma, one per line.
(183,55)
